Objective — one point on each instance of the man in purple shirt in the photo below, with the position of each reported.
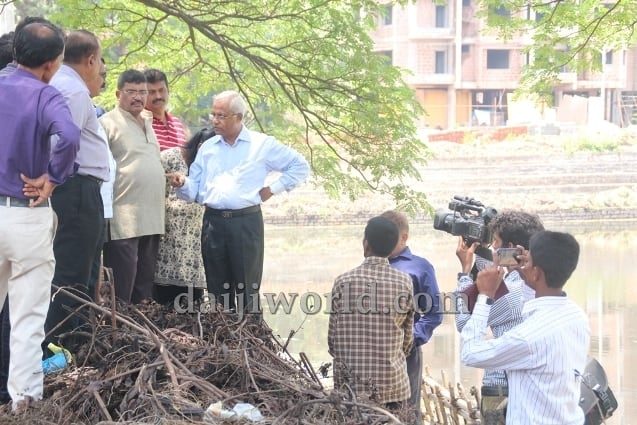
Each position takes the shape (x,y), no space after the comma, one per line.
(426,295)
(7,66)
(31,112)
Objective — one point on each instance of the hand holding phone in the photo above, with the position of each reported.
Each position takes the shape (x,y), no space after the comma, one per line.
(507,257)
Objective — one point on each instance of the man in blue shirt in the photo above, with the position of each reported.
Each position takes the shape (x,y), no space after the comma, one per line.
(78,203)
(426,295)
(228,177)
(31,111)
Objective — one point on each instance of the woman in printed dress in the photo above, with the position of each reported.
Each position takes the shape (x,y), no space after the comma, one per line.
(179,264)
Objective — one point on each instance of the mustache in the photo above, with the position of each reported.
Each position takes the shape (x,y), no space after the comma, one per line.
(159,100)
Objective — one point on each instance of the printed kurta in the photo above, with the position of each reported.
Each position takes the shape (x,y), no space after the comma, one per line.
(179,261)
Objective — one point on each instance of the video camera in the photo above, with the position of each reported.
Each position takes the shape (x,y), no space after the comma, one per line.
(468,218)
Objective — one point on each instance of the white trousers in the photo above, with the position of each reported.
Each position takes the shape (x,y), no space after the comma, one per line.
(26,271)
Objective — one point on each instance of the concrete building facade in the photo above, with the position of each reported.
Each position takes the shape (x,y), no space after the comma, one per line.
(464,76)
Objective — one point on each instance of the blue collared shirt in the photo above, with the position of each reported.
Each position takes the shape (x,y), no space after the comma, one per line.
(30,113)
(423,277)
(92,157)
(227,176)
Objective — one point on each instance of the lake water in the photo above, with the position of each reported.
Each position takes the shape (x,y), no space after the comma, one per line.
(307,259)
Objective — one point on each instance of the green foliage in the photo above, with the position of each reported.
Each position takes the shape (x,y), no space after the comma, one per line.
(591,144)
(568,35)
(306,68)
(599,142)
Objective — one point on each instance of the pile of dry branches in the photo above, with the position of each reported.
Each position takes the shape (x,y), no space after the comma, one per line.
(149,364)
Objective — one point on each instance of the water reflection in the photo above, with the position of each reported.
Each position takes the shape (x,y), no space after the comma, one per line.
(298,260)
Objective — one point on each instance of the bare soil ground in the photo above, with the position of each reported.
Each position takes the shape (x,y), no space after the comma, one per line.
(585,175)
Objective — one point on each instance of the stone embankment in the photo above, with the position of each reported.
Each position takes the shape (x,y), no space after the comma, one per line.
(582,186)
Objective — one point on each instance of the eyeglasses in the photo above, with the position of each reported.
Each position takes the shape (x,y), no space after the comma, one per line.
(131,92)
(220,117)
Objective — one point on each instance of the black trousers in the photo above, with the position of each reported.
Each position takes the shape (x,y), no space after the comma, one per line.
(133,261)
(414,370)
(232,251)
(96,267)
(80,212)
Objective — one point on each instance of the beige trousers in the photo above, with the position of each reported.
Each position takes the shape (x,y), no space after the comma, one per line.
(26,271)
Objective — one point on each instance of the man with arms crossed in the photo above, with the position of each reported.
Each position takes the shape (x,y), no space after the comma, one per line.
(540,356)
(31,112)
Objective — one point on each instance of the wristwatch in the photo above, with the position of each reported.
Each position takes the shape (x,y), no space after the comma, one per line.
(483,298)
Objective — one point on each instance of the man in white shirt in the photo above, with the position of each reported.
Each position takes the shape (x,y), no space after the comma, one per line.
(541,354)
(510,228)
(228,177)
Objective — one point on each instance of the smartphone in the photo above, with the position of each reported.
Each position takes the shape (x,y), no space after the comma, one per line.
(508,256)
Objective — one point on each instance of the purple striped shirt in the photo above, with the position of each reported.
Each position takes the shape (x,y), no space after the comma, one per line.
(30,113)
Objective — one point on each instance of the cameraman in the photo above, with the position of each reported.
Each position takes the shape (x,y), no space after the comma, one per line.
(509,229)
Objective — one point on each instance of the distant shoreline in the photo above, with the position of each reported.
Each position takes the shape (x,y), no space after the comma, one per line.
(598,219)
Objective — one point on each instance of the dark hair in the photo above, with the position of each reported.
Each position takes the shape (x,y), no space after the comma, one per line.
(80,44)
(194,143)
(155,76)
(381,235)
(516,227)
(37,43)
(556,254)
(130,76)
(30,20)
(6,49)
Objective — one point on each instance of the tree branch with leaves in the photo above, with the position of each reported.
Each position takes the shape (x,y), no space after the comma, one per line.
(307,69)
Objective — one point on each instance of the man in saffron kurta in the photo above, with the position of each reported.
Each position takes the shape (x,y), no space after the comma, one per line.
(138,204)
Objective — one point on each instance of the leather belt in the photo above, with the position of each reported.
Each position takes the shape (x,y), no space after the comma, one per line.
(91,178)
(10,201)
(234,213)
(497,391)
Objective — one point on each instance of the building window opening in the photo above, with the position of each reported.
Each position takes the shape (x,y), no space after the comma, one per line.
(497,59)
(441,62)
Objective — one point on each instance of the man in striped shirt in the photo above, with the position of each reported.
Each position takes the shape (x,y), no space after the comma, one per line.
(540,356)
(169,130)
(509,229)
